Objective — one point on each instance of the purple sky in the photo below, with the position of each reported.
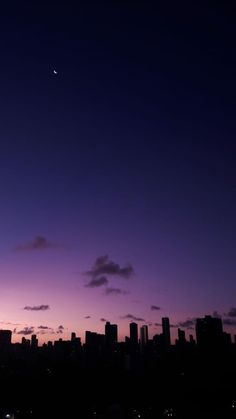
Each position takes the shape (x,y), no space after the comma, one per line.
(117,175)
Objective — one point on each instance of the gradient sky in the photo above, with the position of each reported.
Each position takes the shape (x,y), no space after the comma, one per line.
(129,152)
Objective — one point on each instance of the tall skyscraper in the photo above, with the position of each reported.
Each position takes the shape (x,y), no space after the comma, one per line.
(181,337)
(34,341)
(209,331)
(143,336)
(5,338)
(166,331)
(111,334)
(133,329)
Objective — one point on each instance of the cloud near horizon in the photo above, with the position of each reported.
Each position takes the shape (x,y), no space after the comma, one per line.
(44,328)
(38,243)
(232,312)
(42,307)
(188,323)
(104,266)
(132,317)
(26,331)
(115,291)
(97,282)
(153,308)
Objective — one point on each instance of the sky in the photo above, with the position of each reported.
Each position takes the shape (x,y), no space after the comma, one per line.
(117,166)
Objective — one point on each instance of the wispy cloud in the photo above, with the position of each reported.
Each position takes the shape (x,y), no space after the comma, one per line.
(171,325)
(103,320)
(97,282)
(42,307)
(132,317)
(26,331)
(232,312)
(115,291)
(38,243)
(229,322)
(153,308)
(87,317)
(216,314)
(104,266)
(44,328)
(188,323)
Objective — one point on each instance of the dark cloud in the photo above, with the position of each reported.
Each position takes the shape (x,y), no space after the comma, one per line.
(229,322)
(103,320)
(87,317)
(171,325)
(187,324)
(42,307)
(38,243)
(26,331)
(61,327)
(153,308)
(116,291)
(104,266)
(232,312)
(216,314)
(44,327)
(97,282)
(132,317)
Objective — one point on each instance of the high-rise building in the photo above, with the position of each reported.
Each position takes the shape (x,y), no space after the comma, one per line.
(73,336)
(181,337)
(5,338)
(34,341)
(111,334)
(133,329)
(143,336)
(209,331)
(166,331)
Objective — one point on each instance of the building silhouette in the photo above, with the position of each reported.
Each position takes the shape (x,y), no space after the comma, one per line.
(143,337)
(111,334)
(209,331)
(133,332)
(5,338)
(166,331)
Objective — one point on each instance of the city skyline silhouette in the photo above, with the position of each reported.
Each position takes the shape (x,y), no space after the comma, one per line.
(117,203)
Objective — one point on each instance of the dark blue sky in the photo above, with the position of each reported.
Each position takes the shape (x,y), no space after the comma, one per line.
(128,151)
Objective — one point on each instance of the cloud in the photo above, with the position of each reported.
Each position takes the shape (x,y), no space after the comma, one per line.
(116,291)
(132,317)
(103,320)
(87,317)
(188,323)
(44,327)
(232,312)
(171,325)
(26,331)
(153,308)
(60,329)
(97,282)
(42,307)
(229,322)
(104,266)
(216,314)
(38,243)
